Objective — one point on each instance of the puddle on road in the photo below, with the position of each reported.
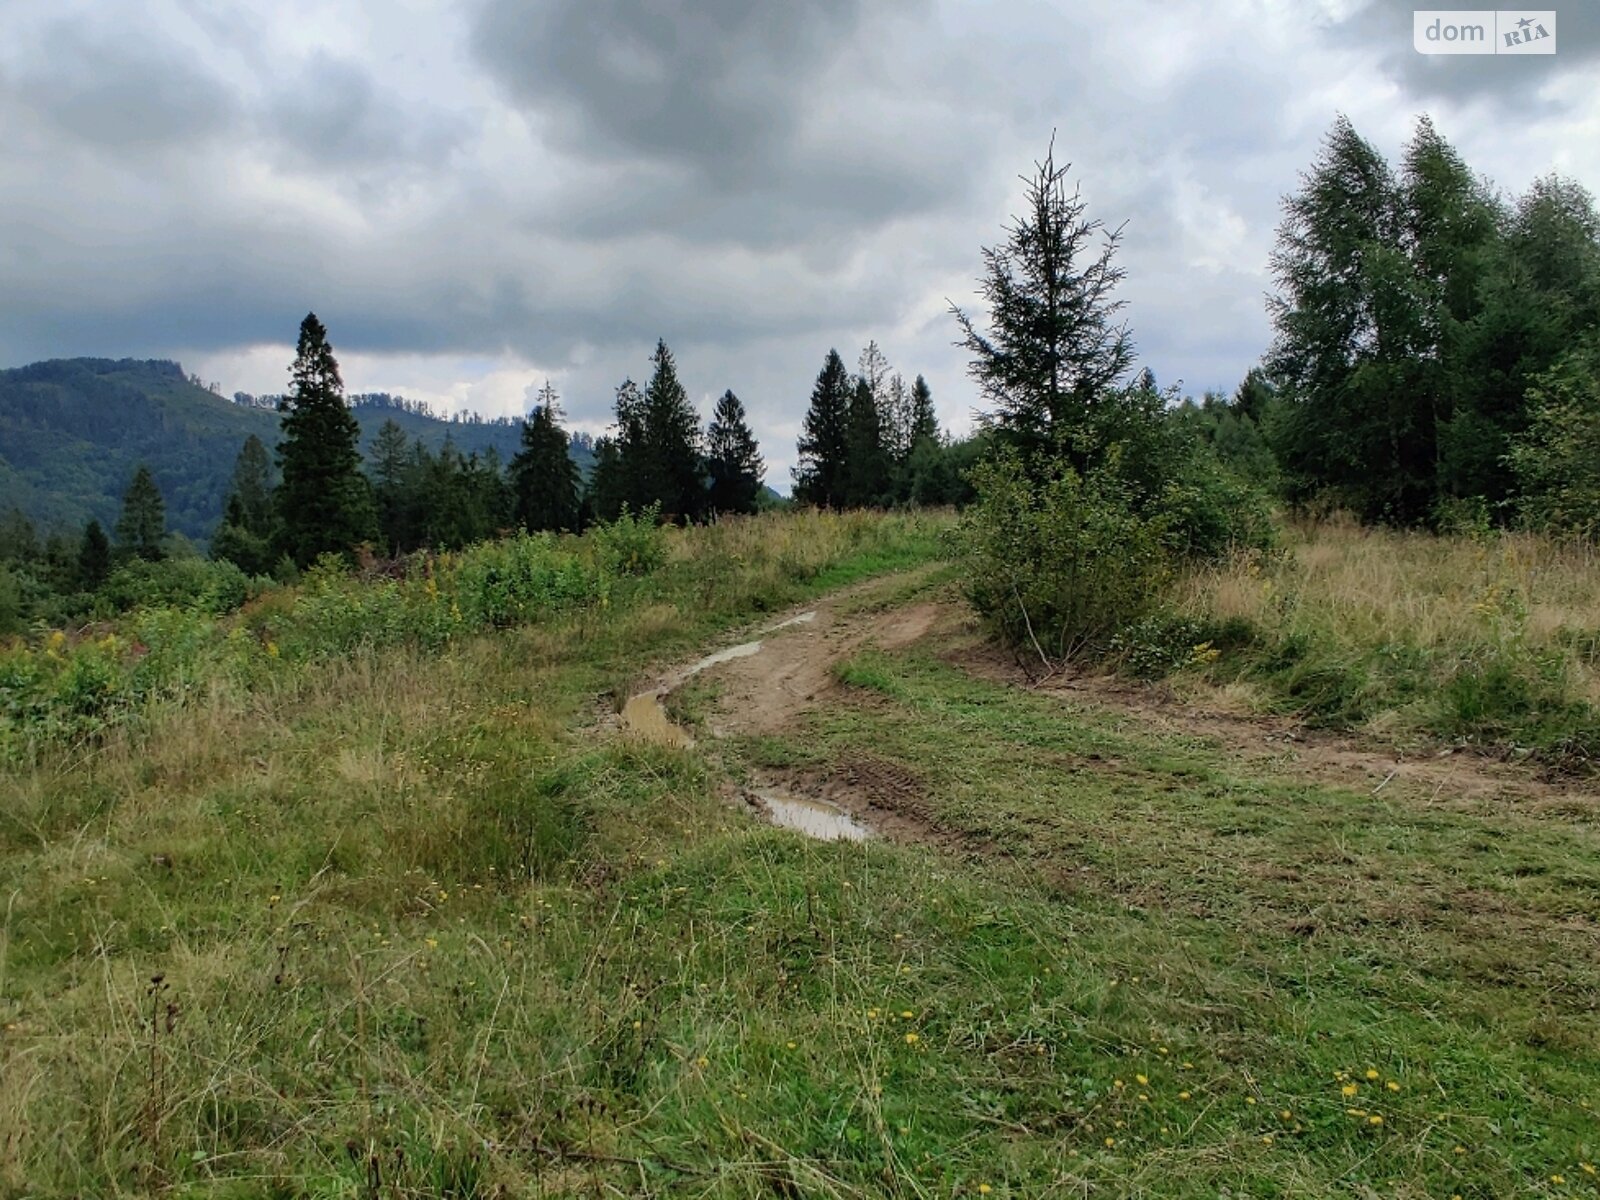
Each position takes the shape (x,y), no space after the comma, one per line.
(811,817)
(645,716)
(721,656)
(804,618)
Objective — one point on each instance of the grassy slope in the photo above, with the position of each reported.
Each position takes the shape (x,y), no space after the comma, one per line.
(1488,639)
(334,883)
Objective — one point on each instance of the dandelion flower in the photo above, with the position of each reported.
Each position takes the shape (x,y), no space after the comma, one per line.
(1586,1168)
(1375,1119)
(911,1039)
(790,1045)
(1349,1089)
(984,1189)
(1183,1095)
(1371,1074)
(1392,1086)
(1142,1096)
(1116,1083)
(431,943)
(1558,1179)
(1188,1066)
(1143,1079)
(1266,1139)
(1110,1142)
(1249,1099)
(907,1015)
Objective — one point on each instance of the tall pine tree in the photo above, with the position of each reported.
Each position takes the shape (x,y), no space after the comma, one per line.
(544,479)
(1054,352)
(671,442)
(866,465)
(923,424)
(824,438)
(246,535)
(391,463)
(732,458)
(94,557)
(324,501)
(143,522)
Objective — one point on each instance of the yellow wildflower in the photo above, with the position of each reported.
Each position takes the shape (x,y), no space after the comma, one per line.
(1349,1089)
(911,1039)
(1143,1079)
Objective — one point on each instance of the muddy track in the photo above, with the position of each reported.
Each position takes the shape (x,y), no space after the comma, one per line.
(769,683)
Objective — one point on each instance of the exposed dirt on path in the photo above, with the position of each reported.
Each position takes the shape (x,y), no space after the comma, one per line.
(769,684)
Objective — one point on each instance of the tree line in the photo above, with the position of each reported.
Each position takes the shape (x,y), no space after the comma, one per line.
(1436,342)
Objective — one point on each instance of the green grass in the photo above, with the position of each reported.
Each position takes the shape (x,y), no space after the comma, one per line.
(427,929)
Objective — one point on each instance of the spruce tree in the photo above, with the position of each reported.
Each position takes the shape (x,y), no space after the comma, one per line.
(391,463)
(252,484)
(824,438)
(247,532)
(324,501)
(732,458)
(633,484)
(671,435)
(544,479)
(607,493)
(923,424)
(143,522)
(94,557)
(894,412)
(1054,351)
(866,470)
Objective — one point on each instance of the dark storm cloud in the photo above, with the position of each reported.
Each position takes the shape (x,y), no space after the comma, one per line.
(118,90)
(715,84)
(733,120)
(1506,85)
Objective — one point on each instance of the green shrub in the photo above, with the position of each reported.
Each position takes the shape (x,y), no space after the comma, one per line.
(212,587)
(1557,460)
(521,578)
(631,545)
(1061,564)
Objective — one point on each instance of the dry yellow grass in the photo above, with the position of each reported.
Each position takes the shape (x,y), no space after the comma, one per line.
(1351,589)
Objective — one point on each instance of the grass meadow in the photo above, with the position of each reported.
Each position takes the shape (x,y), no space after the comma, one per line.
(411,919)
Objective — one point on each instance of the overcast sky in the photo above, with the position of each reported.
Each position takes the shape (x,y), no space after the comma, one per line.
(475,195)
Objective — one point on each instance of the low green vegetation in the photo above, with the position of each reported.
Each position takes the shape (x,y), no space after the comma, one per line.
(404,916)
(1175,971)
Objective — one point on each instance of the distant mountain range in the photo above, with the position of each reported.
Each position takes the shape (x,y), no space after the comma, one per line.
(73,431)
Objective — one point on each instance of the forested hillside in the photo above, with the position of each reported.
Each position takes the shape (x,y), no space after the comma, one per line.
(73,431)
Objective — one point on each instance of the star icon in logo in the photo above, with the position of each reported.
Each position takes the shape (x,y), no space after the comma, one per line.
(1524,23)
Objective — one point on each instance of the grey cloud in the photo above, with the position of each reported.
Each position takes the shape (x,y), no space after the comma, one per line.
(715,84)
(121,89)
(332,114)
(1506,85)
